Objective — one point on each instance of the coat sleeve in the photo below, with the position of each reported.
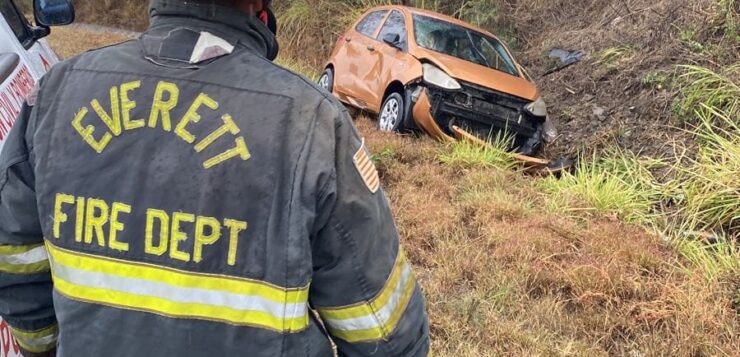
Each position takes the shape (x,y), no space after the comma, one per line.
(363,286)
(25,278)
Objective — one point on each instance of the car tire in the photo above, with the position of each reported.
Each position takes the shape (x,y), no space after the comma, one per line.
(326,80)
(392,112)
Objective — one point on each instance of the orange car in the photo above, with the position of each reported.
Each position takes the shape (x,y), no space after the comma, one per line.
(421,70)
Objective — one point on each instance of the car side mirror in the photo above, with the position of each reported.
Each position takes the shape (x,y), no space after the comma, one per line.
(393,39)
(53,12)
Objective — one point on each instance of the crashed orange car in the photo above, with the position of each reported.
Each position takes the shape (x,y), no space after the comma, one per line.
(421,70)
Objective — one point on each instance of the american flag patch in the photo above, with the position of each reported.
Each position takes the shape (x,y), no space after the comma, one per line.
(366,168)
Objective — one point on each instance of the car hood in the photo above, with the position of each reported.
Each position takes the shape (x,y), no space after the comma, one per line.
(481,75)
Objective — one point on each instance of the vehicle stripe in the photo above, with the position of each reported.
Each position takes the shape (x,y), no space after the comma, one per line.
(178,294)
(37,341)
(24,259)
(376,319)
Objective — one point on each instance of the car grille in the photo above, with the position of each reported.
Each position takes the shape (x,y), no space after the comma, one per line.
(483,111)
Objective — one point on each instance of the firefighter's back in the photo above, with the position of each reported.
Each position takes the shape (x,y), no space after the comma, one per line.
(169,171)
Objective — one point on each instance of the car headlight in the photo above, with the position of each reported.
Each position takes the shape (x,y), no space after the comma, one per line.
(435,76)
(537,108)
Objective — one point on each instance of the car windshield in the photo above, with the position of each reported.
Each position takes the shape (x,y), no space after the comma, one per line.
(457,41)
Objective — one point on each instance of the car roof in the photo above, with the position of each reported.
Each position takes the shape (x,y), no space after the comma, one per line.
(432,14)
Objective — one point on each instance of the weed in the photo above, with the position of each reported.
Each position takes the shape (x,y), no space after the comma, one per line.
(469,154)
(711,198)
(619,184)
(689,38)
(657,80)
(612,57)
(700,85)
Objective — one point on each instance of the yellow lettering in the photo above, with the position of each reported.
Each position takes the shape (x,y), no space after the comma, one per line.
(202,238)
(87,132)
(161,108)
(234,228)
(113,121)
(127,105)
(240,150)
(179,236)
(79,218)
(164,220)
(228,127)
(59,216)
(192,116)
(116,226)
(94,222)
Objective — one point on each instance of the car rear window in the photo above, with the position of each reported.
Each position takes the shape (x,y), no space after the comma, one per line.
(458,41)
(370,23)
(395,24)
(14,19)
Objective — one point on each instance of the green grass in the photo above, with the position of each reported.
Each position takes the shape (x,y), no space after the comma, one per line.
(468,154)
(711,181)
(700,85)
(713,261)
(618,185)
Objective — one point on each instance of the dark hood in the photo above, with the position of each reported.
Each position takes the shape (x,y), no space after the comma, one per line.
(231,24)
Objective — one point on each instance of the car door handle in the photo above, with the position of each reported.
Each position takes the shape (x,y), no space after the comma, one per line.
(371,48)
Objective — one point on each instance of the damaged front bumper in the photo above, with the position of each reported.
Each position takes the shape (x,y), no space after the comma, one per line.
(481,112)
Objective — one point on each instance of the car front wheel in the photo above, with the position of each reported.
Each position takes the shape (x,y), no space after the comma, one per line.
(326,80)
(391,113)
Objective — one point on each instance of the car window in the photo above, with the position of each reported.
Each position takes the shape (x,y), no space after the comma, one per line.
(14,19)
(371,22)
(458,41)
(395,24)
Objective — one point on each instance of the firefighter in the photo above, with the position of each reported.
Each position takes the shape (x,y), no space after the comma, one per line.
(181,195)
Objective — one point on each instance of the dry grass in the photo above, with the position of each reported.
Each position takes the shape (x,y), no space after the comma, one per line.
(504,276)
(84,40)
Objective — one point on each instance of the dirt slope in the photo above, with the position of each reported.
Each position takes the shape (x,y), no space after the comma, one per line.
(623,92)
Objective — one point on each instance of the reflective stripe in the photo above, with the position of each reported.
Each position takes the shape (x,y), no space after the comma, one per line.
(37,341)
(377,319)
(178,293)
(24,259)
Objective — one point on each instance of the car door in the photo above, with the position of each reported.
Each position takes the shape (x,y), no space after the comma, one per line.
(393,61)
(360,43)
(17,73)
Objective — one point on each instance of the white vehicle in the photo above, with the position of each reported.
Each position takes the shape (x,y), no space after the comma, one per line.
(24,59)
(24,56)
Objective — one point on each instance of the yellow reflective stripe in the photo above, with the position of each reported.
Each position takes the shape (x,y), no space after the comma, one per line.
(22,259)
(178,294)
(17,249)
(36,341)
(175,277)
(378,318)
(34,268)
(169,308)
(363,309)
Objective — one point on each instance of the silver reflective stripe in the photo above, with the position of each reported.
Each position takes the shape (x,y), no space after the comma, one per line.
(380,317)
(35,255)
(180,294)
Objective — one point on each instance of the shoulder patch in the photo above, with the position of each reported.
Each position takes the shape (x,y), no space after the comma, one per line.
(366,168)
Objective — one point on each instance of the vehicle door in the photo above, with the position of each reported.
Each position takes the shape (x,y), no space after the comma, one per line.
(359,59)
(17,77)
(393,60)
(36,54)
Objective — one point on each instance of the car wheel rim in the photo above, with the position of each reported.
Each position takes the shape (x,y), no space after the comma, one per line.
(324,81)
(389,116)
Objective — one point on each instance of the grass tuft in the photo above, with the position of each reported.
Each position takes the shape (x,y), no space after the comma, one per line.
(467,154)
(619,185)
